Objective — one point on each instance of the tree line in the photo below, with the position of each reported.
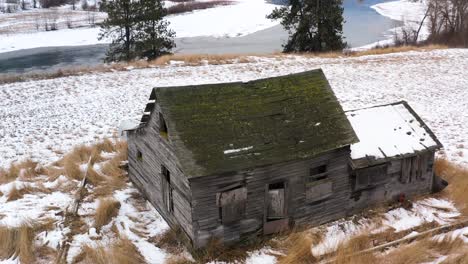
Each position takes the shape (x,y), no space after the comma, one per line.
(138,28)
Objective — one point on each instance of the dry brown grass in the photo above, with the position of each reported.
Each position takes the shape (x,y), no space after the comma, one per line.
(298,248)
(169,240)
(177,259)
(107,209)
(457,177)
(122,251)
(199,59)
(423,251)
(389,50)
(346,252)
(18,193)
(17,241)
(26,170)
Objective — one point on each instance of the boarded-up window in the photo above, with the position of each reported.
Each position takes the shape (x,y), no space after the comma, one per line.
(318,186)
(370,176)
(232,204)
(167,189)
(276,201)
(320,190)
(414,168)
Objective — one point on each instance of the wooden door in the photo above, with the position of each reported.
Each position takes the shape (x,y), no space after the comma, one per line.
(276,217)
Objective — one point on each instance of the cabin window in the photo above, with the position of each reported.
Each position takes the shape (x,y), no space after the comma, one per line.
(317,173)
(231,204)
(167,189)
(371,176)
(162,126)
(139,156)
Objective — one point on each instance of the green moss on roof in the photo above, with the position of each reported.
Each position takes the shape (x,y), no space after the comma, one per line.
(226,127)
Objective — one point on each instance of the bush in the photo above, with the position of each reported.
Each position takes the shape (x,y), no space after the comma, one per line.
(189,6)
(52,3)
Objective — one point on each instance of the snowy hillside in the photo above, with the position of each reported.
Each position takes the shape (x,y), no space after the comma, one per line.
(44,119)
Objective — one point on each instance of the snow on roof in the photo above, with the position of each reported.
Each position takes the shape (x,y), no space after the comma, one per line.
(388,131)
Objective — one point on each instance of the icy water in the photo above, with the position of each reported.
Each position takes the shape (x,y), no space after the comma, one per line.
(363,26)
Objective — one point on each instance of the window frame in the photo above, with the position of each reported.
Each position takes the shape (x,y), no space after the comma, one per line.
(315,177)
(167,189)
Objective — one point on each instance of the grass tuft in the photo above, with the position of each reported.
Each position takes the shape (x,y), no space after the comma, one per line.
(17,241)
(457,177)
(107,209)
(18,193)
(298,248)
(122,251)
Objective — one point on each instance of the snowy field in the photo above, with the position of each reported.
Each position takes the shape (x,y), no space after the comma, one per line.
(42,119)
(18,31)
(239,19)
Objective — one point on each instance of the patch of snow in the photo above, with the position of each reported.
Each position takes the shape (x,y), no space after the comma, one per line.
(424,211)
(387,131)
(262,256)
(32,206)
(230,151)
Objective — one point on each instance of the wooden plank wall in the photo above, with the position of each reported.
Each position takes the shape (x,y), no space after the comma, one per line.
(146,173)
(401,178)
(205,213)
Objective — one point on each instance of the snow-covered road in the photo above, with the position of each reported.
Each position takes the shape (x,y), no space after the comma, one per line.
(40,119)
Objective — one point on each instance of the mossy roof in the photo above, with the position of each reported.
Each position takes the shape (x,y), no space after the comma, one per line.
(219,128)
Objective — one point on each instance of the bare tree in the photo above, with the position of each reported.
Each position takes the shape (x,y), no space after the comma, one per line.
(448,21)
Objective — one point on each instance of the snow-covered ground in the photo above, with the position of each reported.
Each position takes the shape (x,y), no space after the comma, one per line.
(41,119)
(239,19)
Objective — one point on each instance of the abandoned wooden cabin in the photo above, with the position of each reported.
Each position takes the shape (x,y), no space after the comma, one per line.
(234,160)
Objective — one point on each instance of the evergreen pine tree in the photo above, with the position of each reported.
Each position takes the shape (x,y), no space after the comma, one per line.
(137,29)
(119,26)
(153,36)
(313,25)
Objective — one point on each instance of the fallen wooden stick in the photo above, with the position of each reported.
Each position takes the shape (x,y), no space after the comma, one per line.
(430,232)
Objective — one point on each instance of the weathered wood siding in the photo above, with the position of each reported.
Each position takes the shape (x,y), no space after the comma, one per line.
(400,177)
(206,214)
(145,173)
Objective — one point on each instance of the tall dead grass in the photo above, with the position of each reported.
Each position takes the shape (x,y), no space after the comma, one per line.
(457,177)
(107,209)
(122,251)
(18,193)
(18,241)
(26,170)
(298,248)
(346,252)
